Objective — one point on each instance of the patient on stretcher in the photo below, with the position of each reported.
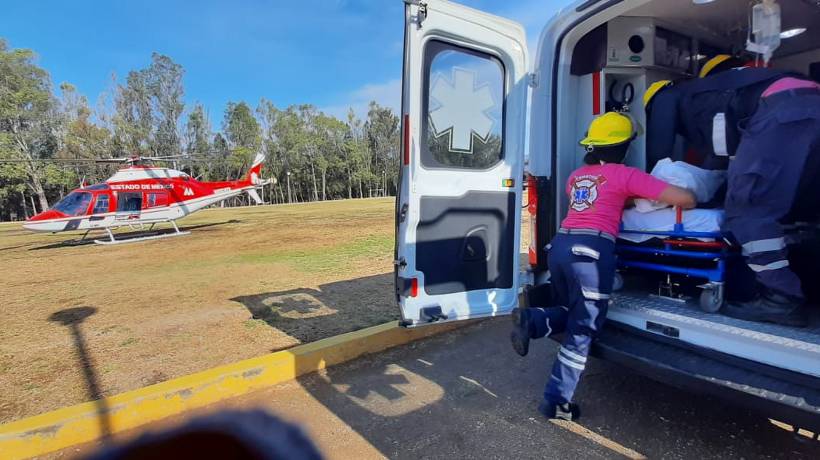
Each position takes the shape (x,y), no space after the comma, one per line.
(648,216)
(664,220)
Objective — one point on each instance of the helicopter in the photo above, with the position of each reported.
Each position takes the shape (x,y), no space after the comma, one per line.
(139,195)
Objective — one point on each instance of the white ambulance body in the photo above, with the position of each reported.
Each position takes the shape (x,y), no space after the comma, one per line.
(469,90)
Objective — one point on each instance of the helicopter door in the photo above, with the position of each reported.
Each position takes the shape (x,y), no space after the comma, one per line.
(129,205)
(100,212)
(458,211)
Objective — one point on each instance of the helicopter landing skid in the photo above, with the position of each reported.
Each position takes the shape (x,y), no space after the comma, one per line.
(111,240)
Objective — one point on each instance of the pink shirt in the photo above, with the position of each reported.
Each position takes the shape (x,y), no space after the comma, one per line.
(598,193)
(785,84)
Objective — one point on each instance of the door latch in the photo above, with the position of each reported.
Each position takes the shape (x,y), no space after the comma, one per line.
(532,80)
(403,213)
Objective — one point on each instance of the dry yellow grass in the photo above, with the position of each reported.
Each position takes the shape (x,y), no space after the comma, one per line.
(245,282)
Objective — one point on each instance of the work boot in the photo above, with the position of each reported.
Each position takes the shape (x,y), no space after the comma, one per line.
(567,411)
(770,307)
(522,330)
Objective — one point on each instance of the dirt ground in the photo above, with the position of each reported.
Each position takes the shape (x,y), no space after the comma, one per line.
(245,282)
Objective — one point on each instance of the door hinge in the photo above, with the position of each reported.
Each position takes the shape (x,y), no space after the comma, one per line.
(401,263)
(422,14)
(532,79)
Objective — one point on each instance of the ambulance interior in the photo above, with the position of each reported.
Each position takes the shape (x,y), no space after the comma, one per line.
(611,66)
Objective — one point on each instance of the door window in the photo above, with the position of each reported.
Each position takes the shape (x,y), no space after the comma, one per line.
(101,205)
(129,202)
(464,103)
(156,199)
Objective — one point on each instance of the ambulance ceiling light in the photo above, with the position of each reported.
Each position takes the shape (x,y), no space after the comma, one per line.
(792,32)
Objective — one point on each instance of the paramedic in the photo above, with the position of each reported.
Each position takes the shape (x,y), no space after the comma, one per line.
(661,101)
(661,104)
(720,63)
(582,256)
(766,114)
(773,178)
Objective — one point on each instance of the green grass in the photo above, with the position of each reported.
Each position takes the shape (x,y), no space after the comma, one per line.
(324,259)
(253,323)
(129,341)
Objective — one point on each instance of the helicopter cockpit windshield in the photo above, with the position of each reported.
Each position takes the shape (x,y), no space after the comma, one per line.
(74,204)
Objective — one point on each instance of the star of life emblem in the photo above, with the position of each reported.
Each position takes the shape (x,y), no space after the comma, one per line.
(463,109)
(584,192)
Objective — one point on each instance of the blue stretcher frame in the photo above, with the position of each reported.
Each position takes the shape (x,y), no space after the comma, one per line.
(713,275)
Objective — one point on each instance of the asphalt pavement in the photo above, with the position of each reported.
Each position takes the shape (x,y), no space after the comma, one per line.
(466,394)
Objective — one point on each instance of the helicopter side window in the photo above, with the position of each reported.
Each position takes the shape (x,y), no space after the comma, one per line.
(156,199)
(74,204)
(129,202)
(101,205)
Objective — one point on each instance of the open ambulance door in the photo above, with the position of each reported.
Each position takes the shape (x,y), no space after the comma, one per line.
(458,213)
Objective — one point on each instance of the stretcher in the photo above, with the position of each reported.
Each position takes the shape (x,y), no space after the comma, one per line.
(700,254)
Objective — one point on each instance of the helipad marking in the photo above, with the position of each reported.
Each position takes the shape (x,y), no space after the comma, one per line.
(77,424)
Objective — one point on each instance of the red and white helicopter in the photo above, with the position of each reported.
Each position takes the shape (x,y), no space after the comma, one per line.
(139,195)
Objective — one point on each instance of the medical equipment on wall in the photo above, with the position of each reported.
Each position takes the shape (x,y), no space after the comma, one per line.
(641,42)
(620,103)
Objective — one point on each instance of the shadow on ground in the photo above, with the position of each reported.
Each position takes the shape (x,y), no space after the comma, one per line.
(334,308)
(128,235)
(72,318)
(465,394)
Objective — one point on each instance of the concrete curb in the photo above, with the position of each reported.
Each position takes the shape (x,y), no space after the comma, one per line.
(82,423)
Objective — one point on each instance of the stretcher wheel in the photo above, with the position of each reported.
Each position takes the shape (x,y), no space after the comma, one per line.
(617,282)
(711,299)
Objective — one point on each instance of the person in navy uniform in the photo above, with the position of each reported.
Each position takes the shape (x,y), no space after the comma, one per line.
(769,139)
(582,256)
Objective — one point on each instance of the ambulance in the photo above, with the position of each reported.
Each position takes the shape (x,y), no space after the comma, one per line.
(490,132)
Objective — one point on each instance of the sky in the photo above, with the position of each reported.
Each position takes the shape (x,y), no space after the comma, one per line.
(333,54)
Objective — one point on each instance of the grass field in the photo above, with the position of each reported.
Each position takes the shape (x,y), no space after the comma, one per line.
(245,282)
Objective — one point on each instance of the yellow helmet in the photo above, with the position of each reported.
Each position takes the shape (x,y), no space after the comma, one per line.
(712,63)
(653,90)
(609,130)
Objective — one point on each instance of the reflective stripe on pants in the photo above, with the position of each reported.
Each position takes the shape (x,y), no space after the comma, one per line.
(583,283)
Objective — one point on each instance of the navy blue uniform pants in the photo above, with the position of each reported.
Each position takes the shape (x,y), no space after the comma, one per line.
(775,175)
(582,269)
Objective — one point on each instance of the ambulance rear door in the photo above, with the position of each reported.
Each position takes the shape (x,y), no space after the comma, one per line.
(458,213)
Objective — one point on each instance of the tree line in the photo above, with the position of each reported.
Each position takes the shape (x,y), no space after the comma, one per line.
(53,138)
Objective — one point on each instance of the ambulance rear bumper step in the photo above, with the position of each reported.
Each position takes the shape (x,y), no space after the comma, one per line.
(792,348)
(741,382)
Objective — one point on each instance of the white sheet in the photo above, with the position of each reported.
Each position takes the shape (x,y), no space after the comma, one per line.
(663,220)
(702,182)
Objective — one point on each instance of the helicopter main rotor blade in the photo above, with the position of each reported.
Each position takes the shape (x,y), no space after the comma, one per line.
(64,160)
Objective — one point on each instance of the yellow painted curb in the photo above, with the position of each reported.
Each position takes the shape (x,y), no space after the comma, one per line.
(82,423)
